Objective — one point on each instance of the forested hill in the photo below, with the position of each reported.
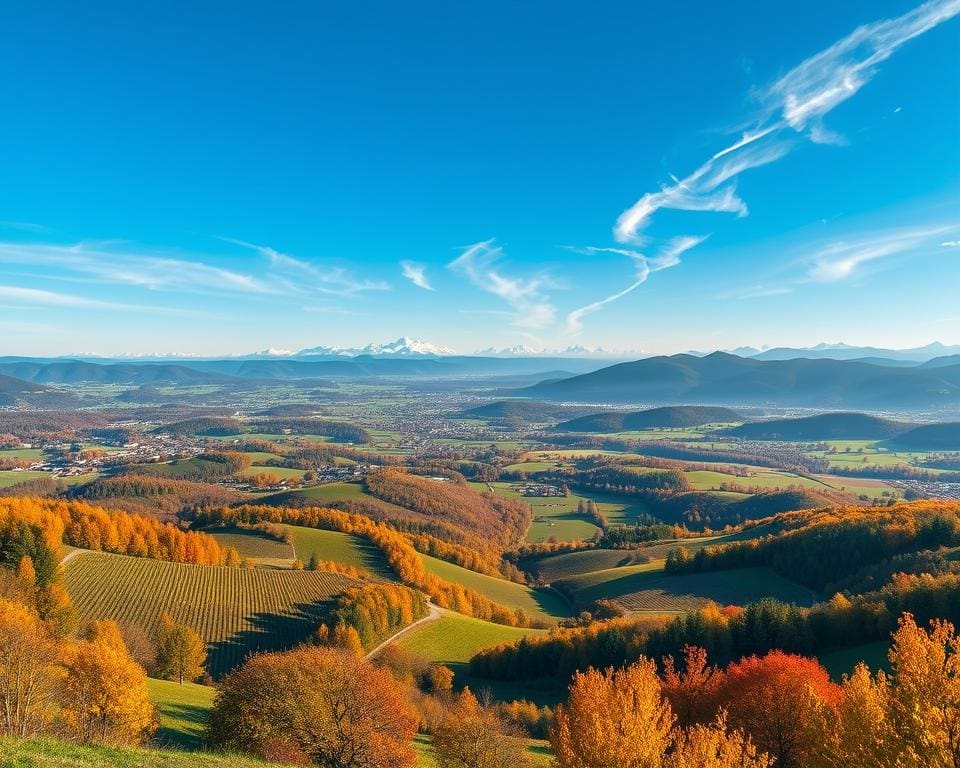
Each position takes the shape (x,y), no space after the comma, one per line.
(725,378)
(826,426)
(668,416)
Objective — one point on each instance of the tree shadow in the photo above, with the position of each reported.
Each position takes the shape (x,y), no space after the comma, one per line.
(268,632)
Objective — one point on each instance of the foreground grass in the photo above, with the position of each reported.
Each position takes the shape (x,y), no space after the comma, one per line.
(47,753)
(539,752)
(184,711)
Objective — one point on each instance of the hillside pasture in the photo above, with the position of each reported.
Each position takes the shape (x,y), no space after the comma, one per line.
(254,545)
(648,589)
(538,603)
(340,548)
(184,711)
(237,611)
(10,477)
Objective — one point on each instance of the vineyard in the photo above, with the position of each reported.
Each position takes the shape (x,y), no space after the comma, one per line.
(237,611)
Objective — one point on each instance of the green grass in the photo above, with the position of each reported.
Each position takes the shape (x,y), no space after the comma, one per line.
(341,548)
(184,711)
(539,752)
(646,588)
(235,610)
(455,638)
(253,544)
(768,480)
(537,603)
(47,753)
(283,473)
(334,492)
(842,662)
(22,454)
(10,477)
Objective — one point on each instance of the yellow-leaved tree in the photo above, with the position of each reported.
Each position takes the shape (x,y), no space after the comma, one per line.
(925,697)
(617,717)
(715,746)
(105,696)
(29,671)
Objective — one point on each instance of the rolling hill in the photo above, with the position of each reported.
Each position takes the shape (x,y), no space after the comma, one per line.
(826,426)
(724,378)
(669,416)
(14,391)
(522,410)
(932,437)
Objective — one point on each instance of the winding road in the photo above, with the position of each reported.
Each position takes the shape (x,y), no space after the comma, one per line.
(432,615)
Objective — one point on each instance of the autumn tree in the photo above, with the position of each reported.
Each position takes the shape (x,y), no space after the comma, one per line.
(692,691)
(29,671)
(862,731)
(473,736)
(181,652)
(105,696)
(617,717)
(315,704)
(714,746)
(925,696)
(778,699)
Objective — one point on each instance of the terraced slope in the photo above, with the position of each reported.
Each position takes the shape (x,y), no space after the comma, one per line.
(237,611)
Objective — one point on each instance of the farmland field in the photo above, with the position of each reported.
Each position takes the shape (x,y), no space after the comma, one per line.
(10,477)
(333,492)
(341,548)
(237,611)
(253,544)
(22,454)
(646,589)
(284,473)
(539,603)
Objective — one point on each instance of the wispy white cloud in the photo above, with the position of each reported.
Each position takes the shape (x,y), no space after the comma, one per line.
(842,259)
(794,105)
(416,274)
(950,244)
(530,307)
(669,256)
(23,226)
(291,271)
(36,297)
(756,292)
(119,263)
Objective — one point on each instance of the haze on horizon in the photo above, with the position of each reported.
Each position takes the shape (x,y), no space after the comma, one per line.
(180,179)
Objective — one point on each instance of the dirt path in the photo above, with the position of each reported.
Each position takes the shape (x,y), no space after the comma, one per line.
(432,615)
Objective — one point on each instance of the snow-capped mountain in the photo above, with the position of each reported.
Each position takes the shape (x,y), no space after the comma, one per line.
(524,350)
(402,347)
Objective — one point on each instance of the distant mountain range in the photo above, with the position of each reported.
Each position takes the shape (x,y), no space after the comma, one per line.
(721,378)
(841,351)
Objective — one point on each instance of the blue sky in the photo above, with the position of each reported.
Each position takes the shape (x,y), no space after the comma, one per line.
(216,178)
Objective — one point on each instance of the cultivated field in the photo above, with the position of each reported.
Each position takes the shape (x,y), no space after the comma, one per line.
(237,611)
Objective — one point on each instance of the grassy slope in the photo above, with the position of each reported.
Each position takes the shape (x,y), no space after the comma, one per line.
(47,753)
(646,588)
(455,638)
(340,548)
(540,603)
(253,544)
(183,709)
